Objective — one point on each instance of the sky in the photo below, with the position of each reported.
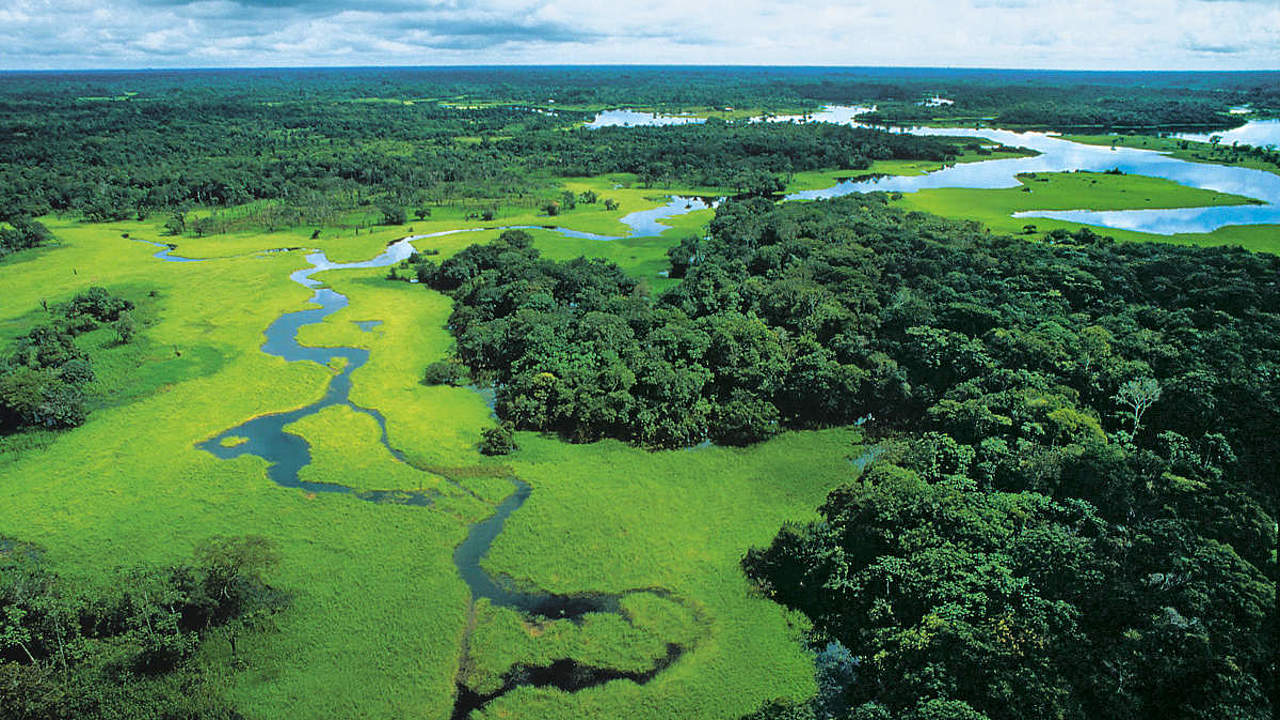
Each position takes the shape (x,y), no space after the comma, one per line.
(1061,34)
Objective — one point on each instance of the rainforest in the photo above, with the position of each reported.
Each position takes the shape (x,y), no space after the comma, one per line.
(719,393)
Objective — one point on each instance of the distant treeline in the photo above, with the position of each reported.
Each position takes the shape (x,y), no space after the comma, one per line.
(1100,108)
(718,154)
(111,146)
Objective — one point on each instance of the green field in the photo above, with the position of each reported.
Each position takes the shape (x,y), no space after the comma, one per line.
(379,611)
(1189,150)
(1091,191)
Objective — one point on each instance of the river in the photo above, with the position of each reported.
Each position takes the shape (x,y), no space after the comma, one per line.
(1058,155)
(286,454)
(1258,133)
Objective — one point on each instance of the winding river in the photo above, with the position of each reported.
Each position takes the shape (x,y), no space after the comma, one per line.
(640,224)
(286,454)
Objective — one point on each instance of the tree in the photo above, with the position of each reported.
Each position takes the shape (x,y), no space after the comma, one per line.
(683,256)
(125,328)
(1138,396)
(13,633)
(444,372)
(393,214)
(176,224)
(204,226)
(422,213)
(234,573)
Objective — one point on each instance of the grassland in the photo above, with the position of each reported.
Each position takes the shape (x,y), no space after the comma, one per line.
(1189,150)
(379,611)
(1091,191)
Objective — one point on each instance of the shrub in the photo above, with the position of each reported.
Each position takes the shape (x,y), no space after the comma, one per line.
(500,440)
(444,372)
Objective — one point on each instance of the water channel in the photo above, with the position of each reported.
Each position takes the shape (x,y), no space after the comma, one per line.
(286,454)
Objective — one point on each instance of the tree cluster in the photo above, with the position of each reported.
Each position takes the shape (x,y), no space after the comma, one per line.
(125,651)
(745,156)
(23,233)
(45,374)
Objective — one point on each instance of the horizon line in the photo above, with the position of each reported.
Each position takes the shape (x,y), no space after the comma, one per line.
(532,66)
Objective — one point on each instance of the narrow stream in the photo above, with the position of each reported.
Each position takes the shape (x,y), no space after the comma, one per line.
(642,223)
(286,454)
(265,436)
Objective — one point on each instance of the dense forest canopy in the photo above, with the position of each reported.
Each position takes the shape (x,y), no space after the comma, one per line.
(1071,509)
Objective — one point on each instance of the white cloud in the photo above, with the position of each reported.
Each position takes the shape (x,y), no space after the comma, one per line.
(1085,34)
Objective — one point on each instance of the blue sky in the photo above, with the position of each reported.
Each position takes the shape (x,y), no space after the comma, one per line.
(1073,34)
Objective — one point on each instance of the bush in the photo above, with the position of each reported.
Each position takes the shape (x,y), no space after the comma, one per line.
(500,440)
(98,304)
(444,372)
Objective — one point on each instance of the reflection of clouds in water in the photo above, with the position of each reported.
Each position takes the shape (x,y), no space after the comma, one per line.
(1259,133)
(1058,155)
(645,222)
(1165,222)
(627,118)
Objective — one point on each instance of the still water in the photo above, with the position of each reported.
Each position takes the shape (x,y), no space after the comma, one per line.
(1258,133)
(1058,155)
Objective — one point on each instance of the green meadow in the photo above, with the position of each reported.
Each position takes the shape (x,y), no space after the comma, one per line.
(1091,191)
(379,613)
(1190,150)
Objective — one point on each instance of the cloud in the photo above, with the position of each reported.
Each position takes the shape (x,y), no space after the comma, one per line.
(1222,49)
(1086,34)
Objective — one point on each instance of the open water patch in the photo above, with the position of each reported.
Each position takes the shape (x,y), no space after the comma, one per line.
(167,253)
(1055,154)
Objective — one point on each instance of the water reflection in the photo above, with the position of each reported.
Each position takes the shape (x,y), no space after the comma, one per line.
(1258,133)
(637,118)
(1058,155)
